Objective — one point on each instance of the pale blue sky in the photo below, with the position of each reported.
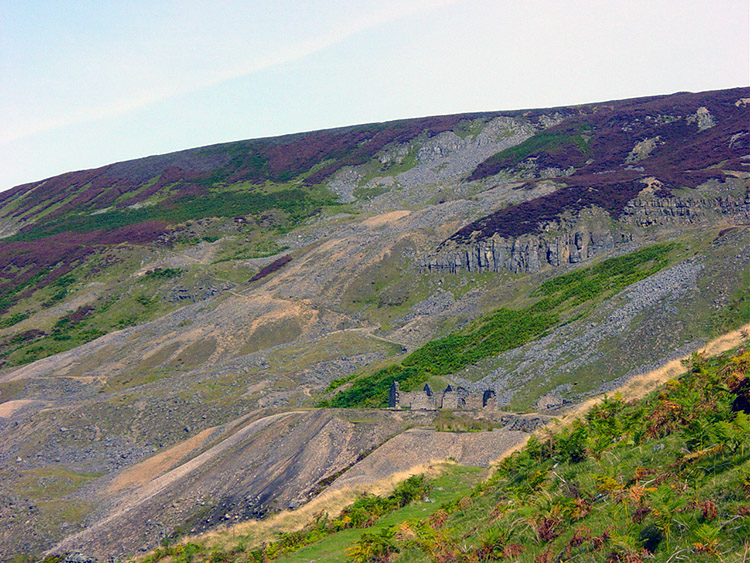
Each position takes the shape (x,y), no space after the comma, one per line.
(86,83)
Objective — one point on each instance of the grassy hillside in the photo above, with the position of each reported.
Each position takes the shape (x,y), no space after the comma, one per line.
(173,295)
(60,222)
(555,301)
(666,478)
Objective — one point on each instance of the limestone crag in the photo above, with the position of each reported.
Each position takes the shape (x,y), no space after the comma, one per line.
(592,232)
(679,211)
(526,253)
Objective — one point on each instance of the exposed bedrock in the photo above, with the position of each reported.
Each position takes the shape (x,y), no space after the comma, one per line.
(526,253)
(590,233)
(645,212)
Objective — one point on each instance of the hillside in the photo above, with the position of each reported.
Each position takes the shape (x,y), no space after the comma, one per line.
(211,334)
(657,479)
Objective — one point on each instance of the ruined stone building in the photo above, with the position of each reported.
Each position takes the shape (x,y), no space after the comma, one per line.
(450,398)
(550,402)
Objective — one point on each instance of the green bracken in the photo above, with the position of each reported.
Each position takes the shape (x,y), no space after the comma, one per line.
(661,479)
(664,478)
(502,329)
(363,513)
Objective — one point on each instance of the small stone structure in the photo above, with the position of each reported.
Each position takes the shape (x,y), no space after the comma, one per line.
(549,401)
(450,398)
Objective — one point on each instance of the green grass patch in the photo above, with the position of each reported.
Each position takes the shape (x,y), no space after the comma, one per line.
(545,141)
(339,345)
(272,333)
(9,297)
(163,273)
(9,390)
(737,312)
(363,513)
(469,128)
(51,482)
(448,421)
(454,483)
(14,319)
(325,538)
(611,276)
(129,303)
(296,204)
(376,169)
(254,251)
(385,291)
(504,329)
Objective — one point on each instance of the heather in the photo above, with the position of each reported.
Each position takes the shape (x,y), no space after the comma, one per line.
(590,154)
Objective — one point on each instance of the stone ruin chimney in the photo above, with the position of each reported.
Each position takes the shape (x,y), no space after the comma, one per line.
(394,398)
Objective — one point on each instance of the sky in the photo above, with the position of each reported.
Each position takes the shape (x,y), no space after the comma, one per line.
(88,83)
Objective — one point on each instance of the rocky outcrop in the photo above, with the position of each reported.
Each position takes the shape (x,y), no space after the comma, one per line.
(201,290)
(592,232)
(524,423)
(526,253)
(679,211)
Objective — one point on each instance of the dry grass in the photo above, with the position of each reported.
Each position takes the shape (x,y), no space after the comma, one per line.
(640,385)
(331,502)
(385,218)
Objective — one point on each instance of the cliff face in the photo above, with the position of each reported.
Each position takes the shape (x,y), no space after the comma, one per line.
(572,240)
(654,166)
(677,211)
(526,253)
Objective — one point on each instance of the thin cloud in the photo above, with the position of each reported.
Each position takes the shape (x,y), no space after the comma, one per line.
(191,83)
